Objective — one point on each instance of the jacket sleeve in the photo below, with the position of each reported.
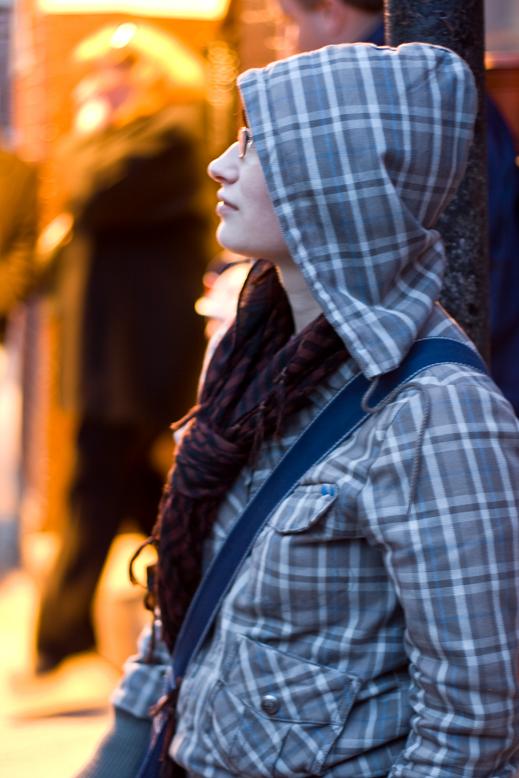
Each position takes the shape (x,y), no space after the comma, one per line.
(17,260)
(122,750)
(442,502)
(144,678)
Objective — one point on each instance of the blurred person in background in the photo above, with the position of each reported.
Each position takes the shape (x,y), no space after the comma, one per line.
(316,23)
(132,342)
(223,282)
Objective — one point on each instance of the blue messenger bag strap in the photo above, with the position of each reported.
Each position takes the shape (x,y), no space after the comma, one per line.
(335,423)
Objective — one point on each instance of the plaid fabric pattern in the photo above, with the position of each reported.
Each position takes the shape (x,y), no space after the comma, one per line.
(374,629)
(362,148)
(379,607)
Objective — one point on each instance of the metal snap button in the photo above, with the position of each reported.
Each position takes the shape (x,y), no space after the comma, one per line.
(270,704)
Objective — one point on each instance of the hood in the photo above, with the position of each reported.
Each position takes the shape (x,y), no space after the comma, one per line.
(362,148)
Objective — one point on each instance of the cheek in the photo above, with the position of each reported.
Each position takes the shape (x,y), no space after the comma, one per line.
(262,221)
(255,195)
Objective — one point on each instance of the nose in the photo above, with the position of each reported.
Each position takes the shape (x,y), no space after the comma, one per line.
(225,168)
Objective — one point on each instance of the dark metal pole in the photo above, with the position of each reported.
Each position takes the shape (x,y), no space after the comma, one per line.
(459,25)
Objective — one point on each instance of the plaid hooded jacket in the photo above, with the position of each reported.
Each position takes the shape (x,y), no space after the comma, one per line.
(373,630)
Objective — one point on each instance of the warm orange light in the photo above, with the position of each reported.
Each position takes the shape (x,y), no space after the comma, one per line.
(165,53)
(181,9)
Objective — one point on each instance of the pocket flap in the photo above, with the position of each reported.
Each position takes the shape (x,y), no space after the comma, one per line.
(284,687)
(303,508)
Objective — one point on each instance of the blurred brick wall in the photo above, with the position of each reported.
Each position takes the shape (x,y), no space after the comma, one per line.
(5,92)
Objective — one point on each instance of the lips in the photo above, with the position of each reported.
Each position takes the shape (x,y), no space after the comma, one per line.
(222,200)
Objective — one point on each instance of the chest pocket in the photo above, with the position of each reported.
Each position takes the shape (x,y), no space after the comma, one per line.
(274,714)
(318,510)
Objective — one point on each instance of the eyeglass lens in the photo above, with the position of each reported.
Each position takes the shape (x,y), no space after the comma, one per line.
(244,139)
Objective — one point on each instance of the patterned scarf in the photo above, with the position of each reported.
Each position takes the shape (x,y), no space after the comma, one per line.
(259,374)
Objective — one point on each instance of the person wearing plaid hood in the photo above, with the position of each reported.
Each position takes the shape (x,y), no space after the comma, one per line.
(373,628)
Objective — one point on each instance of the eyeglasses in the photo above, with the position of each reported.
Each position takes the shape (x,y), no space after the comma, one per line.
(245,140)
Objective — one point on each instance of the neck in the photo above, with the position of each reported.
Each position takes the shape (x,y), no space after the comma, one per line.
(304,307)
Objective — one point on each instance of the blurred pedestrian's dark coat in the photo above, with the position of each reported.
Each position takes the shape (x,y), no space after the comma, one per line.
(132,341)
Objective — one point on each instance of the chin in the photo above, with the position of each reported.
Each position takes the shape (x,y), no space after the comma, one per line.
(237,248)
(232,242)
